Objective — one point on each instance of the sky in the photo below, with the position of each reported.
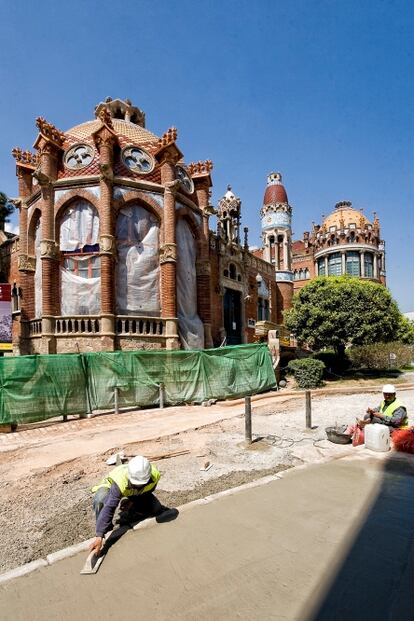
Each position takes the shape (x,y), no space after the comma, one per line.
(319,90)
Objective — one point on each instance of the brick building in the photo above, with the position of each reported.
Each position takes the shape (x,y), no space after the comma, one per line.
(345,243)
(115,249)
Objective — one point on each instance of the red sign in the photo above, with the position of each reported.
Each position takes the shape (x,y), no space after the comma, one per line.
(5,318)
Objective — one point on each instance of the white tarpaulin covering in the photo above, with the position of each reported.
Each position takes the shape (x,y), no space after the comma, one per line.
(80,286)
(138,271)
(38,274)
(80,227)
(190,326)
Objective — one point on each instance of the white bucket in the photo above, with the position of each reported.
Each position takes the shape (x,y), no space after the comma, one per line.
(377,437)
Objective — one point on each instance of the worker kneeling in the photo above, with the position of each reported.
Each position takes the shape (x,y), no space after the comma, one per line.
(134,482)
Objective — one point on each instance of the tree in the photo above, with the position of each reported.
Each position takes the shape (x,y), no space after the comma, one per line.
(405,332)
(335,311)
(6,209)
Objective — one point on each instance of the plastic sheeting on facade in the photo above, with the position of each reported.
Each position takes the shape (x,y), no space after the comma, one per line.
(190,326)
(40,387)
(38,272)
(80,295)
(138,271)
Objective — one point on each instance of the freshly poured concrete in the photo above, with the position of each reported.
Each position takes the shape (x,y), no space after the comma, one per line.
(324,542)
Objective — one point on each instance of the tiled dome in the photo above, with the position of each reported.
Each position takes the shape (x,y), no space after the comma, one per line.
(134,133)
(275,191)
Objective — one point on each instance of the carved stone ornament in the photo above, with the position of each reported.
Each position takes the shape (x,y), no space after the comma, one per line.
(48,249)
(203,268)
(26,263)
(50,132)
(107,243)
(173,186)
(168,253)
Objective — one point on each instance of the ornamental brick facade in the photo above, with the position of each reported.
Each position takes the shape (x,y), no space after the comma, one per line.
(96,204)
(115,250)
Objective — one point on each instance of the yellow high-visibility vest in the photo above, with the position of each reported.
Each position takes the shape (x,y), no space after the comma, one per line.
(119,475)
(388,411)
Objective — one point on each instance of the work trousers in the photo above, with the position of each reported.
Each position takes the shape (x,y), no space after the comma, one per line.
(146,504)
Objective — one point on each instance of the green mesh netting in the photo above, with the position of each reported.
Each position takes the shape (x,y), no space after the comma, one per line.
(34,388)
(40,387)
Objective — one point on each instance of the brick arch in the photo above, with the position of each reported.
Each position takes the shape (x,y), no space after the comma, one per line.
(70,197)
(31,228)
(142,199)
(187,214)
(66,201)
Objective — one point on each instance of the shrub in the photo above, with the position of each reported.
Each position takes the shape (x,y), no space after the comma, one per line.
(376,356)
(308,372)
(334,363)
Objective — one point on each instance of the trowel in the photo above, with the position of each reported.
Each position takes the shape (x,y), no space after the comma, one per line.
(92,563)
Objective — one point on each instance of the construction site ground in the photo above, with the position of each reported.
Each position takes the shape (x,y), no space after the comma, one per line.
(326,542)
(46,471)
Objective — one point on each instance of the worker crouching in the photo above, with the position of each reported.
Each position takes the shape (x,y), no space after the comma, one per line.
(390,412)
(135,482)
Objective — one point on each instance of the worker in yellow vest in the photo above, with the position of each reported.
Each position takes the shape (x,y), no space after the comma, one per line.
(135,481)
(391,411)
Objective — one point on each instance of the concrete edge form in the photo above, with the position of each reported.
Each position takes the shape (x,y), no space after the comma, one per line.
(23,570)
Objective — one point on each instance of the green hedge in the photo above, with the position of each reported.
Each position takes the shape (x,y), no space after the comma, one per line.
(376,356)
(308,372)
(334,363)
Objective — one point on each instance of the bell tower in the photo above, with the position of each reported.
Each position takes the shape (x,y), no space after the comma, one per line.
(276,219)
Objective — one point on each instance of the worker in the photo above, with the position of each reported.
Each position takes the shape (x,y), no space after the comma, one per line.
(135,482)
(391,412)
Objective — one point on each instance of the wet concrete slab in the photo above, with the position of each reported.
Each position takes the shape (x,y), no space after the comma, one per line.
(325,542)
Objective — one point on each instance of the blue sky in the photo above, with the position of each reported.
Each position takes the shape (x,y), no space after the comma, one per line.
(319,90)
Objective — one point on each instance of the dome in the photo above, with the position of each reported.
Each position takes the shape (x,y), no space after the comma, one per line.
(275,191)
(134,133)
(344,215)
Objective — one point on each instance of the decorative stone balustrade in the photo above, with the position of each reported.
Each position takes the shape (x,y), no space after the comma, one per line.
(127,325)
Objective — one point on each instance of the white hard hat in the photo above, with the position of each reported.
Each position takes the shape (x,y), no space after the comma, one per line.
(139,470)
(388,389)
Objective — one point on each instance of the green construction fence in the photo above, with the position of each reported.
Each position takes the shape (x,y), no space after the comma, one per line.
(37,387)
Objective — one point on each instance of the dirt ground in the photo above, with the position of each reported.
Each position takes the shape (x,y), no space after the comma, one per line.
(51,509)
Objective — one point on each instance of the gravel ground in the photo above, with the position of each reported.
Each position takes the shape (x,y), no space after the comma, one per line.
(52,510)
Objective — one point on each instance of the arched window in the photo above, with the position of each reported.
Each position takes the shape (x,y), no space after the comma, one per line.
(335,264)
(307,273)
(137,271)
(190,326)
(80,269)
(38,272)
(368,265)
(232,271)
(353,263)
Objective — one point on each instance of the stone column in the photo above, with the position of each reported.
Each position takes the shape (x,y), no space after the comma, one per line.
(317,268)
(203,263)
(105,140)
(343,262)
(49,250)
(267,253)
(168,257)
(362,263)
(326,265)
(25,279)
(285,252)
(375,265)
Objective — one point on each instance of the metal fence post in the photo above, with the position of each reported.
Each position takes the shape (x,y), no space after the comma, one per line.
(248,419)
(161,396)
(116,400)
(308,409)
